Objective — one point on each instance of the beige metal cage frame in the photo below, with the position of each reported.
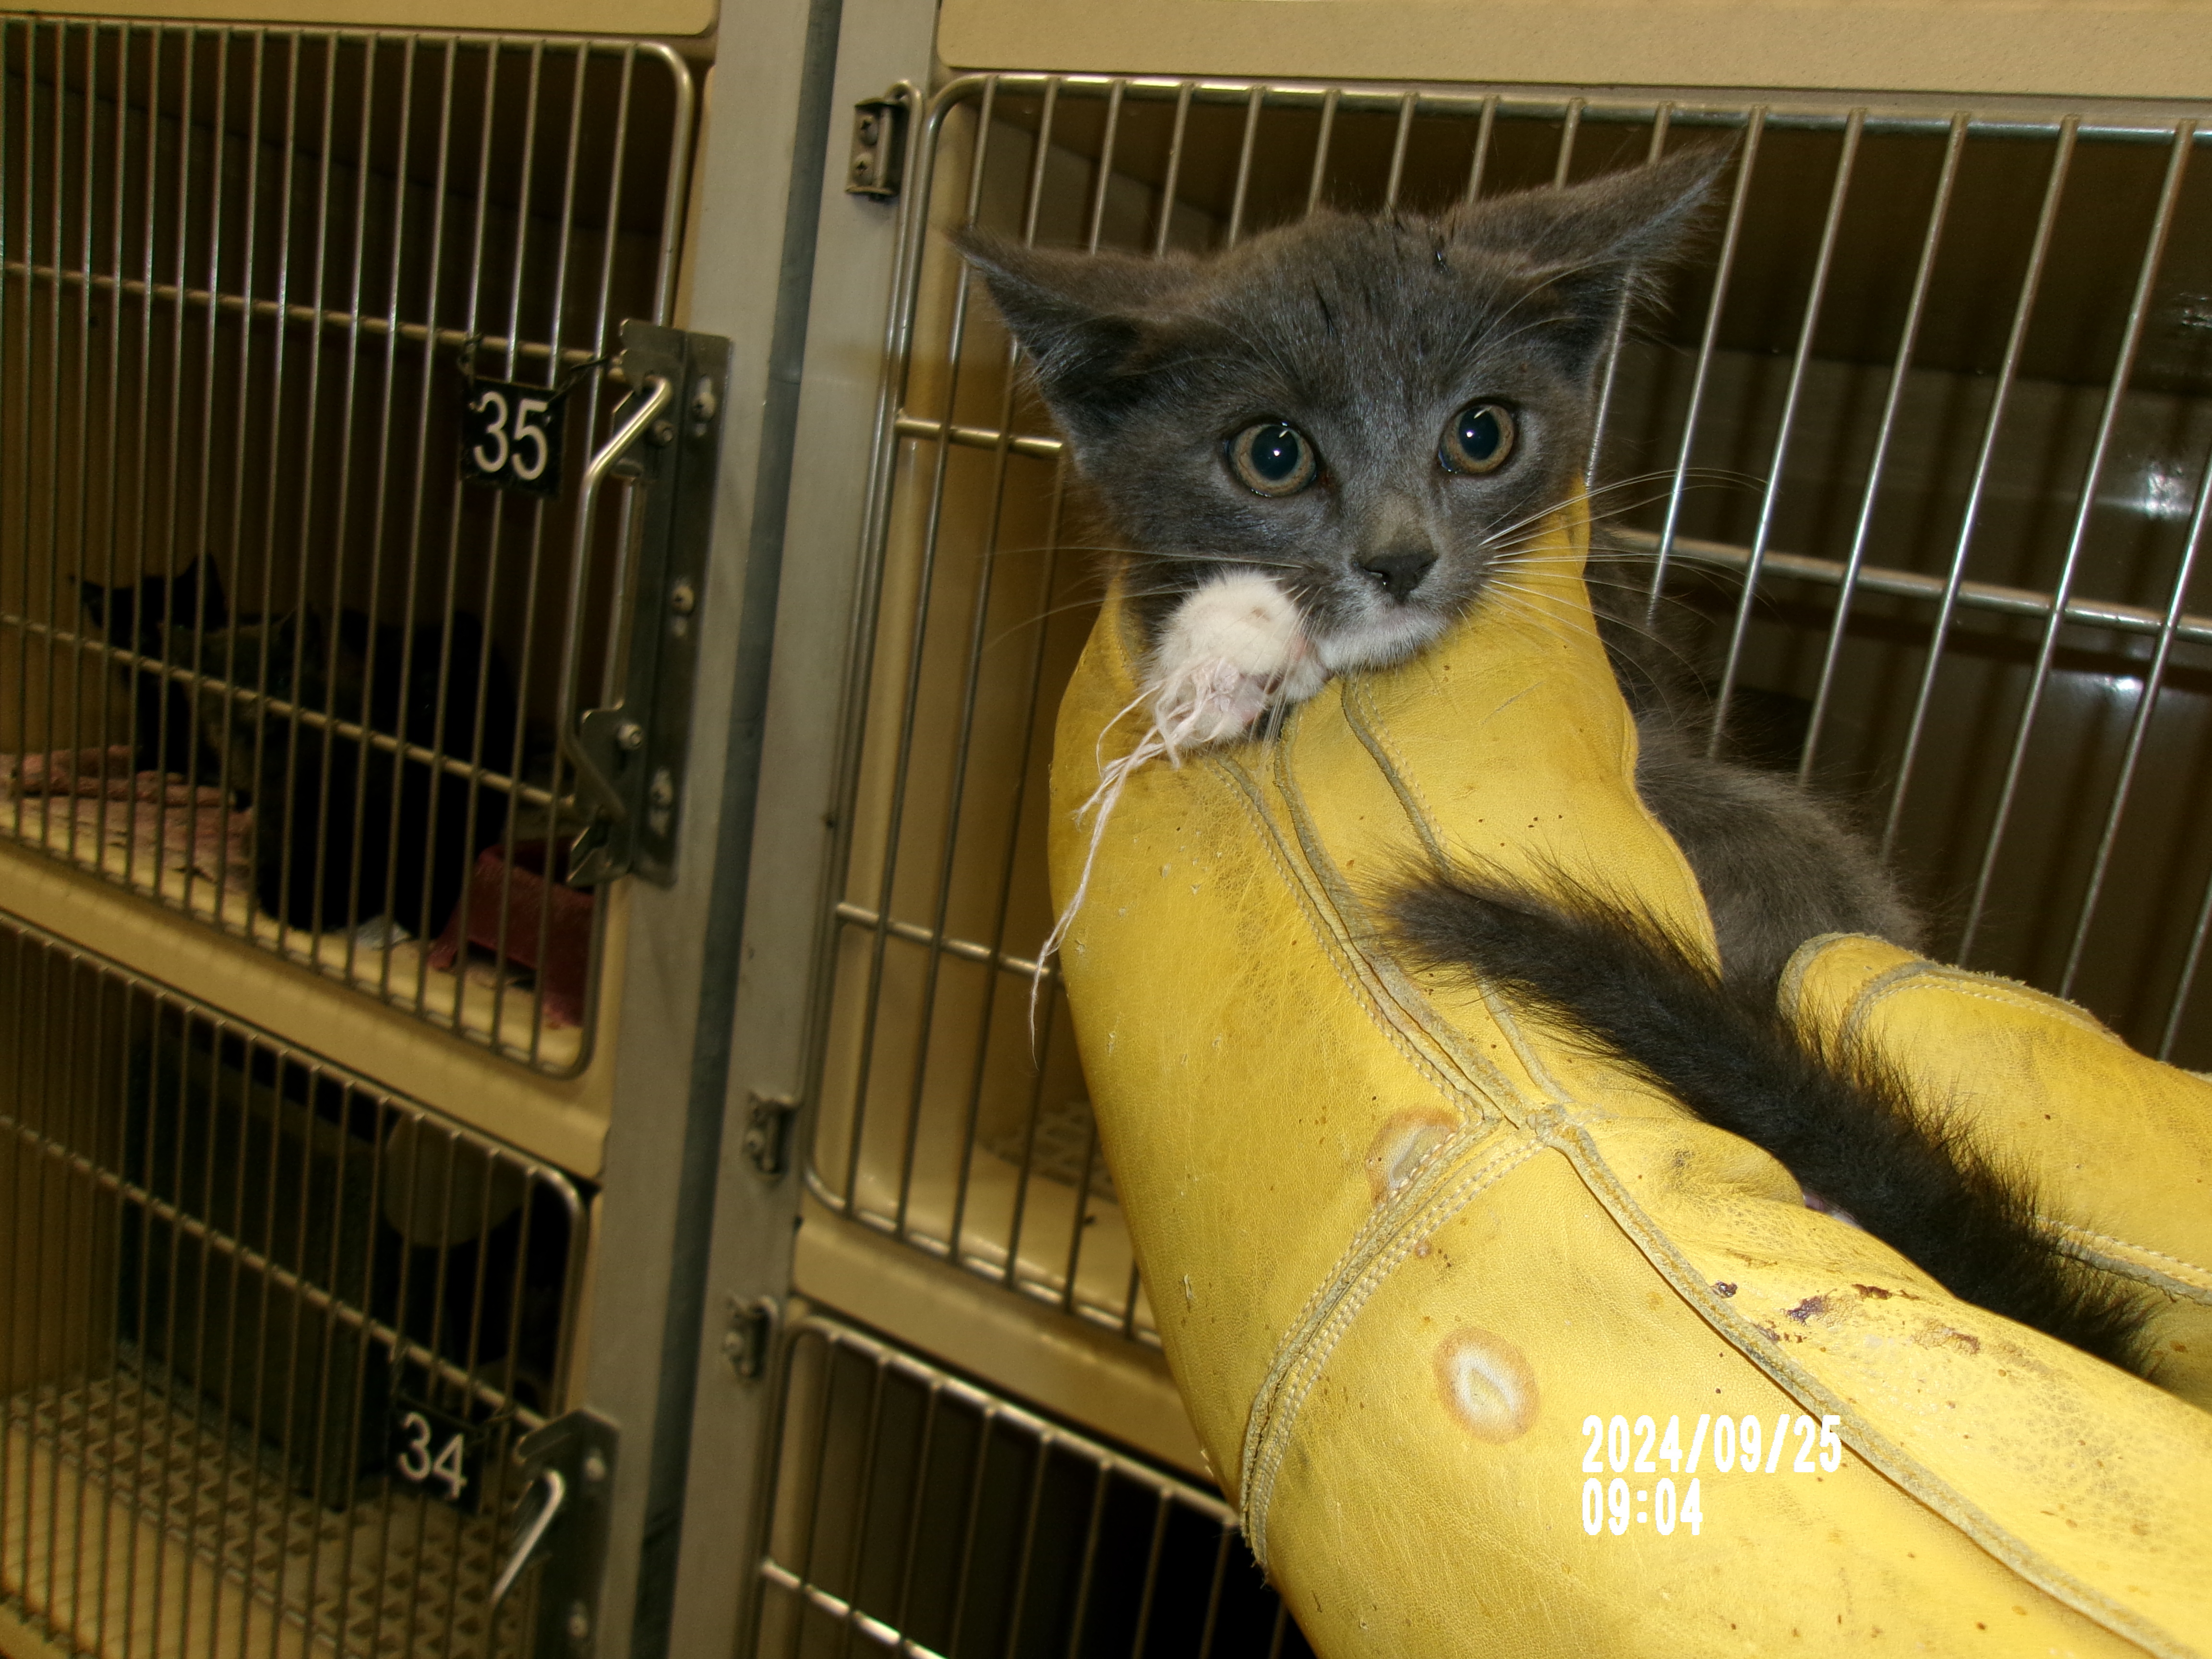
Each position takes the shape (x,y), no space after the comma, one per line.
(647,1207)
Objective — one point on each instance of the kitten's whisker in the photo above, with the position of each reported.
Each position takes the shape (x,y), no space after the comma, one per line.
(1515,605)
(1627,624)
(1543,514)
(1175,555)
(1223,558)
(1560,603)
(1587,496)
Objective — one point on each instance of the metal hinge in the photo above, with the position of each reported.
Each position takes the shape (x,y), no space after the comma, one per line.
(629,756)
(751,1336)
(768,1133)
(878,164)
(563,1522)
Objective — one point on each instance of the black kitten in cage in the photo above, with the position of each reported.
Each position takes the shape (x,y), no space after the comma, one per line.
(321,805)
(1323,448)
(137,618)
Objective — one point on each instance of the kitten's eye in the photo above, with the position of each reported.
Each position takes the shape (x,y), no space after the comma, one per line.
(1271,458)
(1478,440)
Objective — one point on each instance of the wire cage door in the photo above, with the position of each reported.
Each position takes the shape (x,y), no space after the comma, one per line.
(920,1512)
(1913,457)
(302,347)
(268,1334)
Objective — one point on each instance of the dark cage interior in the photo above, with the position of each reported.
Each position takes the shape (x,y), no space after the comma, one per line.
(267,1334)
(264,652)
(1914,454)
(920,1512)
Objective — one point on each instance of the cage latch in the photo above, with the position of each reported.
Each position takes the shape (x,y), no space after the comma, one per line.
(879,165)
(570,1465)
(768,1133)
(629,755)
(751,1336)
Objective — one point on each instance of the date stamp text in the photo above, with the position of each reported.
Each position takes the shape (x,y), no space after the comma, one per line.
(1724,1445)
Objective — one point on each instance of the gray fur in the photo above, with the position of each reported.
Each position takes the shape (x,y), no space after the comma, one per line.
(1778,863)
(1369,335)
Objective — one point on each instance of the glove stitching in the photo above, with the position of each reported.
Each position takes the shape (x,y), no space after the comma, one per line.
(1279,1410)
(1341,959)
(1475,1113)
(2197,1292)
(1368,725)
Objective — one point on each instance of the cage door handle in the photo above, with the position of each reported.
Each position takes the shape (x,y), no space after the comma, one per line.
(658,390)
(630,753)
(571,1461)
(556,1494)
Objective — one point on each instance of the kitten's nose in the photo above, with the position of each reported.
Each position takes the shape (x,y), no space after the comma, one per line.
(1399,569)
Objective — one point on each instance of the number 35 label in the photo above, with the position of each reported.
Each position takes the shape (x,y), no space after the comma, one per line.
(438,1452)
(511,436)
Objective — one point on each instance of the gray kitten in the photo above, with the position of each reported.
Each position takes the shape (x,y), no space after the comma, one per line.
(1325,444)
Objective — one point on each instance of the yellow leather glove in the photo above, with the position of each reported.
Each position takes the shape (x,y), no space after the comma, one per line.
(2119,1145)
(1411,1256)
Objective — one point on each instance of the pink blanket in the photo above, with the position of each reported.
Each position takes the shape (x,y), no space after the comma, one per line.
(166,822)
(562,959)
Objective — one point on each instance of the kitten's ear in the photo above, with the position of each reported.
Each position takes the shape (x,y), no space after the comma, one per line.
(1080,318)
(196,589)
(1594,242)
(1625,217)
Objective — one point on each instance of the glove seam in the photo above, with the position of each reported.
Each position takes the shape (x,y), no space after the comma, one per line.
(2197,1291)
(1333,947)
(1274,1412)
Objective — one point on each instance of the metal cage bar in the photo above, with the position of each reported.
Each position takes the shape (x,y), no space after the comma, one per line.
(267,1333)
(918,1513)
(263,658)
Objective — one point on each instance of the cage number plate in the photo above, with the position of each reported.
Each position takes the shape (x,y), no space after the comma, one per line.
(439,1453)
(511,436)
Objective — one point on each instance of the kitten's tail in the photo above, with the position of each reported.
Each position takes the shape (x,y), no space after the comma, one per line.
(1843,1121)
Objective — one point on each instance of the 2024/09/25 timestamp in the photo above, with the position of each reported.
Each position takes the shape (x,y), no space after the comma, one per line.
(1613,1506)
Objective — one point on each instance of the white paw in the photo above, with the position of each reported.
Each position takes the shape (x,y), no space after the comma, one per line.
(1232,650)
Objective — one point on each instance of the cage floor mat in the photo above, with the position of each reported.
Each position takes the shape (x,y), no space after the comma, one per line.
(134,1526)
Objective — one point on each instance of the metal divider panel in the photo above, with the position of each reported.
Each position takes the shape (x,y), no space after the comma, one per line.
(1910,460)
(916,1511)
(267,1334)
(301,344)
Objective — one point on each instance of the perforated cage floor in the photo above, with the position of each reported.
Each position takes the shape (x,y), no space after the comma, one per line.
(146,1527)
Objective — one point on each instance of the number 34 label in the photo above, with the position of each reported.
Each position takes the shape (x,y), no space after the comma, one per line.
(511,436)
(438,1452)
